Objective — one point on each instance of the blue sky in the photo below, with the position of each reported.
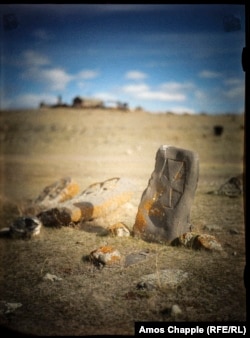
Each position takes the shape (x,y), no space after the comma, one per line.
(179,58)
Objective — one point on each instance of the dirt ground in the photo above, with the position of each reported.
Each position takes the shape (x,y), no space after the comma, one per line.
(39,147)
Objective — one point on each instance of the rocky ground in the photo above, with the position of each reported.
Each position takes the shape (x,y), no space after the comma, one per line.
(48,284)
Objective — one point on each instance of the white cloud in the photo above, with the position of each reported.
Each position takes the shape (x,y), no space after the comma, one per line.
(200,95)
(208,74)
(162,96)
(42,34)
(143,91)
(106,96)
(81,85)
(54,78)
(34,59)
(135,89)
(30,101)
(135,75)
(182,110)
(176,86)
(213,99)
(233,81)
(57,78)
(236,92)
(235,88)
(87,74)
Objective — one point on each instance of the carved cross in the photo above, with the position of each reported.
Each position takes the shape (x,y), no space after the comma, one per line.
(173,181)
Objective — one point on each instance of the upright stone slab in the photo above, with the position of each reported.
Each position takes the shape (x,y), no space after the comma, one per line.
(164,211)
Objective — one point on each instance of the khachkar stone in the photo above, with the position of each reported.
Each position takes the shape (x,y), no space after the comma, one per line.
(98,200)
(59,191)
(164,211)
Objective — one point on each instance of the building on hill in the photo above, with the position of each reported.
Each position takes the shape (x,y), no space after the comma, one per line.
(80,102)
(116,105)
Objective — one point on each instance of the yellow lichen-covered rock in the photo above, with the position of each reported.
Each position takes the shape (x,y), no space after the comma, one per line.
(165,206)
(58,192)
(105,255)
(119,229)
(96,201)
(198,241)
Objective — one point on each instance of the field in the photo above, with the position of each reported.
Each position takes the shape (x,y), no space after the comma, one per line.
(41,146)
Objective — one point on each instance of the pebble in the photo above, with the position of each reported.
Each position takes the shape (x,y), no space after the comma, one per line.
(7,308)
(175,310)
(51,277)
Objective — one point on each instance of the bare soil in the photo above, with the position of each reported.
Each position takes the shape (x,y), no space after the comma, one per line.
(39,147)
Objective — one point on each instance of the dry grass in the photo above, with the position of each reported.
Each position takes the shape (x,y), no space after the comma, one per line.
(39,147)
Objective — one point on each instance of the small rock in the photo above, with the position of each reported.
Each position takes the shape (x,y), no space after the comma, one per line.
(135,257)
(207,242)
(218,130)
(7,308)
(231,188)
(198,241)
(212,227)
(119,229)
(25,227)
(4,232)
(175,310)
(51,277)
(234,232)
(144,286)
(105,255)
(162,278)
(55,217)
(187,239)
